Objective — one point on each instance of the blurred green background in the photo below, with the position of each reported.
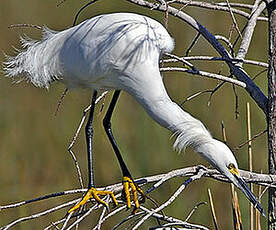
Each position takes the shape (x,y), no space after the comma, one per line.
(33,150)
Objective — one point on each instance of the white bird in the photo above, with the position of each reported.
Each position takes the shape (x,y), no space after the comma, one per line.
(120,51)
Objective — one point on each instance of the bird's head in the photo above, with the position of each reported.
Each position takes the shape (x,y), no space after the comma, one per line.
(222,158)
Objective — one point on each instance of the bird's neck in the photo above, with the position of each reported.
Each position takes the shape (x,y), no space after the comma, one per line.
(188,130)
(146,85)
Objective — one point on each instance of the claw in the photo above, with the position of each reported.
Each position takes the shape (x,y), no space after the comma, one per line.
(135,189)
(93,193)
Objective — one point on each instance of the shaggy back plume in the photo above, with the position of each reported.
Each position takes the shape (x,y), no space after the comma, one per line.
(191,133)
(37,62)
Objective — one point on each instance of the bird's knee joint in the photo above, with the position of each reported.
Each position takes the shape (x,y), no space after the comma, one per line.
(89,131)
(106,124)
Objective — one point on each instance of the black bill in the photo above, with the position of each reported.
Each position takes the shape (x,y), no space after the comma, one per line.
(251,197)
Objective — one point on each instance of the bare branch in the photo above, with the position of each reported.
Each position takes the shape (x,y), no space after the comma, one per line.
(45,197)
(172,198)
(211,91)
(220,7)
(66,221)
(227,41)
(204,74)
(175,221)
(241,75)
(37,215)
(210,58)
(240,5)
(249,30)
(194,173)
(175,57)
(114,212)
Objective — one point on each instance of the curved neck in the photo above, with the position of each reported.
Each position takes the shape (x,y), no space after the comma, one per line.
(150,92)
(189,130)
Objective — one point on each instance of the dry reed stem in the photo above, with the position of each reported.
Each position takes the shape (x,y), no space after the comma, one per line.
(214,217)
(250,164)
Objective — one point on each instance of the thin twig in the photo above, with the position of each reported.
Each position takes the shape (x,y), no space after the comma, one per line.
(81,9)
(45,197)
(252,139)
(174,220)
(40,214)
(54,224)
(138,214)
(114,212)
(61,100)
(181,60)
(233,19)
(205,74)
(211,91)
(101,218)
(237,114)
(82,217)
(196,95)
(172,198)
(194,209)
(258,74)
(66,221)
(192,44)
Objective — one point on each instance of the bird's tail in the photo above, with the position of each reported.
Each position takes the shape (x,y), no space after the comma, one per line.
(37,63)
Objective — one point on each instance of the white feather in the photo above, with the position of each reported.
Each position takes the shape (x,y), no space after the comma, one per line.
(191,133)
(120,51)
(37,62)
(115,51)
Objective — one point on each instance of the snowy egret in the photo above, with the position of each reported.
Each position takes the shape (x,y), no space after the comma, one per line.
(120,51)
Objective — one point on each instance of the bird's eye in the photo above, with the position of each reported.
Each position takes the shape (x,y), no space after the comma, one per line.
(232,169)
(231,166)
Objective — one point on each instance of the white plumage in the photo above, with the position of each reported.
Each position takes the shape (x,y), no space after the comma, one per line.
(121,51)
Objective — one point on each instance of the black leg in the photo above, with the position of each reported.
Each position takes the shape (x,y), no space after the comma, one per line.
(92,192)
(89,136)
(107,127)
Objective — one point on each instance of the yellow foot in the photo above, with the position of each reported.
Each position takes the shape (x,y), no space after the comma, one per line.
(135,189)
(93,193)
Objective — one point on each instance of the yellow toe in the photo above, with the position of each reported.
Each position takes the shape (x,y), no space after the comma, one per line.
(135,189)
(94,193)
